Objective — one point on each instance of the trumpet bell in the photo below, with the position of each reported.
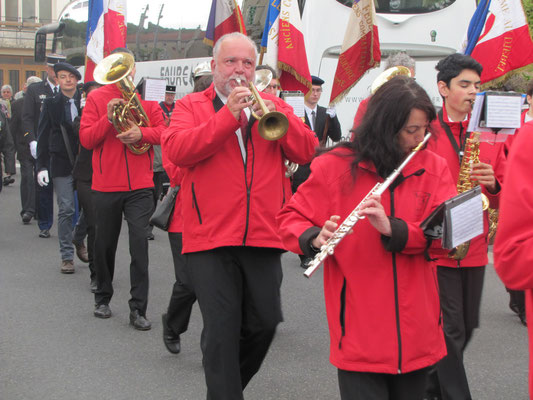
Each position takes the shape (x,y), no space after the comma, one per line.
(113,68)
(273,125)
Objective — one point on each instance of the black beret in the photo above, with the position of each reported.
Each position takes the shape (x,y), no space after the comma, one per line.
(316,80)
(63,66)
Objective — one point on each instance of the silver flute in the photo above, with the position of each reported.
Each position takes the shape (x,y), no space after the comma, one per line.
(347,225)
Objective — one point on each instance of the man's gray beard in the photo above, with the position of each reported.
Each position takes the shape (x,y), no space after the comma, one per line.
(225,87)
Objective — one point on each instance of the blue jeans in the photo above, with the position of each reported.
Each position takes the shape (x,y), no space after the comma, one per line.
(64,188)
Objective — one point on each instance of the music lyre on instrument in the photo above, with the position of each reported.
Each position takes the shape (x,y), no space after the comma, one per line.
(343,229)
(115,68)
(272,125)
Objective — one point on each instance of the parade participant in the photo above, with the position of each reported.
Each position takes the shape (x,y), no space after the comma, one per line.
(83,173)
(57,148)
(399,59)
(383,352)
(35,95)
(513,248)
(122,184)
(26,160)
(167,106)
(232,188)
(461,281)
(7,148)
(324,122)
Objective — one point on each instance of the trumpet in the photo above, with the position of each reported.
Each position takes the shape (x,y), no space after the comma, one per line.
(352,219)
(272,125)
(115,68)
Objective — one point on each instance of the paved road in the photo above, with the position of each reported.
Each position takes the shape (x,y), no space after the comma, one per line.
(52,348)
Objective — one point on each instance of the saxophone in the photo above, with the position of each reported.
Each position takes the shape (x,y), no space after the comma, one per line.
(464,183)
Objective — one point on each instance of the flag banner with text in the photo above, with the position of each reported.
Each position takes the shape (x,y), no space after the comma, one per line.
(503,44)
(106,30)
(292,57)
(225,17)
(360,49)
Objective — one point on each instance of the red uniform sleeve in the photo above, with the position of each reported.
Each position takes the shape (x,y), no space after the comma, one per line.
(94,125)
(513,248)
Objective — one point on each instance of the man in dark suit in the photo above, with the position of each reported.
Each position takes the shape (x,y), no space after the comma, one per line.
(26,160)
(57,147)
(31,111)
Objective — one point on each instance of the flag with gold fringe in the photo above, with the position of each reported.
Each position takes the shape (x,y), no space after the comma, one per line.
(360,49)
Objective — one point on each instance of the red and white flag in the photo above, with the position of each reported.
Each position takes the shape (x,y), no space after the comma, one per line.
(225,17)
(504,44)
(106,30)
(292,58)
(360,49)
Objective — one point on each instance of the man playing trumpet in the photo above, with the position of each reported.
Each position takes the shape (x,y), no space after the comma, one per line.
(232,188)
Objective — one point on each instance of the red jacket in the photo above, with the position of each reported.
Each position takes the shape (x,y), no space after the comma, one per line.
(490,153)
(388,290)
(510,140)
(175,175)
(115,168)
(227,202)
(513,248)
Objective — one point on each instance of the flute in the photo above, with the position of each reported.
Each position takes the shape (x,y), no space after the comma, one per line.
(329,247)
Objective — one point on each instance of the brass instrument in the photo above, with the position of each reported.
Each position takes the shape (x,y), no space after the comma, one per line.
(352,219)
(464,183)
(116,68)
(387,75)
(272,125)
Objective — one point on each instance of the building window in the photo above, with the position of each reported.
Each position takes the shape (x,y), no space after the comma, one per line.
(1,78)
(29,73)
(28,10)
(14,80)
(45,11)
(12,10)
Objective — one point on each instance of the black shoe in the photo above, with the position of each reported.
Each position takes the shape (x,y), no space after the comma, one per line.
(26,218)
(170,339)
(8,180)
(45,233)
(150,236)
(522,317)
(93,285)
(139,321)
(102,311)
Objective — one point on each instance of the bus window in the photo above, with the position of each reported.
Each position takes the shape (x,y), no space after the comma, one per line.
(405,6)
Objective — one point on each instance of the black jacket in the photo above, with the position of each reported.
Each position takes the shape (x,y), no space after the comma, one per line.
(15,124)
(31,110)
(334,133)
(52,151)
(7,148)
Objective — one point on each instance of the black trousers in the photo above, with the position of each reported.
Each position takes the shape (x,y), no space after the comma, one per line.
(355,385)
(238,290)
(27,185)
(86,204)
(183,297)
(137,207)
(460,299)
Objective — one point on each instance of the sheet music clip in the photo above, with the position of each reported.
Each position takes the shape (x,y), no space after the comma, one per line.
(457,220)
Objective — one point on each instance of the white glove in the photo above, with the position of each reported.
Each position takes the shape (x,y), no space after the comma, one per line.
(82,102)
(42,178)
(33,148)
(331,112)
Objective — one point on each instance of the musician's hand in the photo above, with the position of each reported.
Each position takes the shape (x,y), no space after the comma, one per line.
(373,209)
(327,231)
(238,100)
(268,103)
(111,105)
(484,175)
(132,135)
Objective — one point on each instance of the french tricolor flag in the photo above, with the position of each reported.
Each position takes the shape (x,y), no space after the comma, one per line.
(360,49)
(225,17)
(498,38)
(106,30)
